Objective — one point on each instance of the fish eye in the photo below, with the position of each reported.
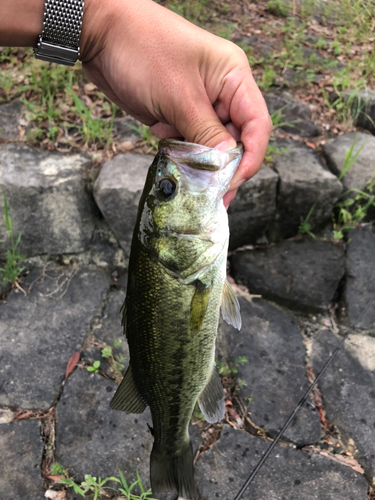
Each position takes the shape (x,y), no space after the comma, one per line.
(166,188)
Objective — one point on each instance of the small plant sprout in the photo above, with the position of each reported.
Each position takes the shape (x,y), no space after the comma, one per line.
(11,271)
(305,226)
(114,360)
(96,486)
(94,368)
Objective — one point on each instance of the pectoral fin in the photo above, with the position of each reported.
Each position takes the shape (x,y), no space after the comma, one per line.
(211,399)
(199,305)
(230,307)
(127,397)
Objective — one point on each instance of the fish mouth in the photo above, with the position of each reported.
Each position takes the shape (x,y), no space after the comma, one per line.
(199,157)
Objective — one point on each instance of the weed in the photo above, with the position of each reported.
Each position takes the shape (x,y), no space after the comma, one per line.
(94,130)
(94,368)
(96,486)
(273,151)
(227,370)
(321,44)
(269,78)
(305,226)
(350,212)
(350,158)
(194,11)
(277,118)
(114,360)
(279,7)
(149,139)
(226,32)
(11,271)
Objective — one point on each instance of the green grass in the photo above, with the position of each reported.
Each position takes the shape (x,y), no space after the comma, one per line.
(148,138)
(351,210)
(12,270)
(115,360)
(93,486)
(94,130)
(305,226)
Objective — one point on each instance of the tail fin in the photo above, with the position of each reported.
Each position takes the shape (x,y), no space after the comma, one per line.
(173,472)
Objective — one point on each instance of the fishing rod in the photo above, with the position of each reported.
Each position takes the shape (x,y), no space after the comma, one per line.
(302,401)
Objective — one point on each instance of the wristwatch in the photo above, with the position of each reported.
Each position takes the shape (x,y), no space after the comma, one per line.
(59,40)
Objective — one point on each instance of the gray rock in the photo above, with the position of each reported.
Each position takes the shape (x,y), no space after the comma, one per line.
(302,274)
(39,333)
(275,372)
(288,474)
(304,183)
(362,104)
(50,205)
(360,277)
(93,439)
(348,389)
(124,129)
(296,114)
(21,456)
(363,167)
(11,115)
(117,191)
(253,208)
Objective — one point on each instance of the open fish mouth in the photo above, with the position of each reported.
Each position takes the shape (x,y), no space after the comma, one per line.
(198,157)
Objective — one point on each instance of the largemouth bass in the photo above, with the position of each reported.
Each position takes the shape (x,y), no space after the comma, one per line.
(176,287)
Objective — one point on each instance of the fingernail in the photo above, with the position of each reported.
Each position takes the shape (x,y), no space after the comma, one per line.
(226,145)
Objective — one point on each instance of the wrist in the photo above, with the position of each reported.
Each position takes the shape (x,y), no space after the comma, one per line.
(21,22)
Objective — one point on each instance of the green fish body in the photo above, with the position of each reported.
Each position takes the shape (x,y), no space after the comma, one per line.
(176,287)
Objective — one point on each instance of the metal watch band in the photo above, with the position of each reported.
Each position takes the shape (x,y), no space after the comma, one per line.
(59,40)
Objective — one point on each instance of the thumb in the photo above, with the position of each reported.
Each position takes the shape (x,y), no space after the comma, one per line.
(197,122)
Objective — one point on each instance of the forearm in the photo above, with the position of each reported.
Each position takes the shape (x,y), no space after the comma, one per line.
(21,22)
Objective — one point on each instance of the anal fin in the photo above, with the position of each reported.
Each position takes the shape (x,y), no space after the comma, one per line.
(127,397)
(230,307)
(211,399)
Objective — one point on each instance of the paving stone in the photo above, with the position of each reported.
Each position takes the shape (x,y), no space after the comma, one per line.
(348,388)
(303,183)
(40,332)
(360,277)
(117,191)
(301,274)
(49,202)
(297,114)
(275,372)
(288,474)
(21,456)
(363,167)
(253,208)
(11,116)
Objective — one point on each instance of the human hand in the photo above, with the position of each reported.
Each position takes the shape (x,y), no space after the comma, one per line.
(177,78)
